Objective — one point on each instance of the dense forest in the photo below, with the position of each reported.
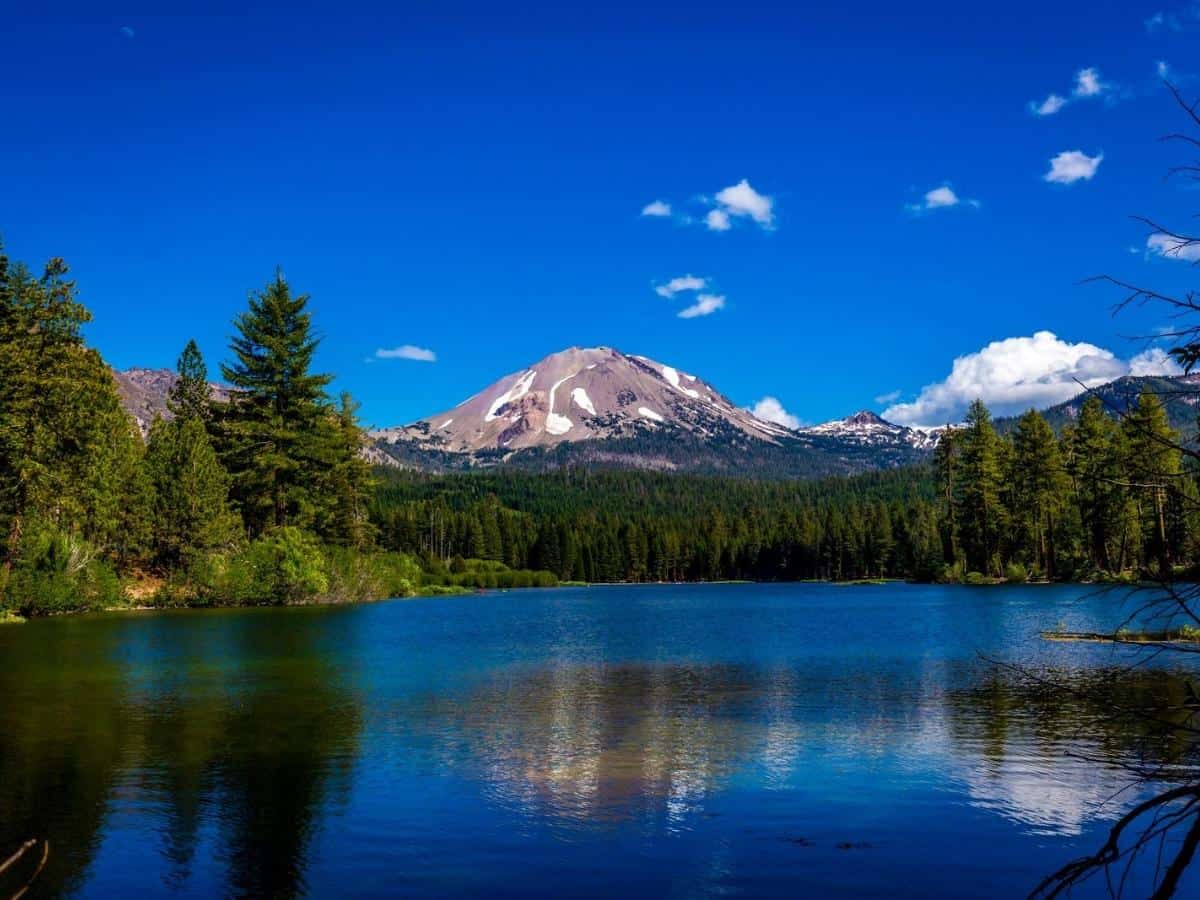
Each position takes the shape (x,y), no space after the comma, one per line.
(260,499)
(1102,499)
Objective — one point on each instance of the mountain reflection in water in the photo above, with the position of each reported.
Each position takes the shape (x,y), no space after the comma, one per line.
(564,743)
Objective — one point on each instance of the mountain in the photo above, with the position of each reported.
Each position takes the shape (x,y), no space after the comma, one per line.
(1180,395)
(866,429)
(144,393)
(603,408)
(583,394)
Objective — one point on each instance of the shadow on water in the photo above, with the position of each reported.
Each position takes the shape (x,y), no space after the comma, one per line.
(241,723)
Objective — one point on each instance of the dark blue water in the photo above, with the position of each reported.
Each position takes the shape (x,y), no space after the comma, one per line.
(724,740)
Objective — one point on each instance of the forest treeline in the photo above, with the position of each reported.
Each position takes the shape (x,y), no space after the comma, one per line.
(1103,499)
(262,498)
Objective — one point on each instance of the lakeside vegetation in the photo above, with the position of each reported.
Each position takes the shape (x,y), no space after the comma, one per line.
(261,499)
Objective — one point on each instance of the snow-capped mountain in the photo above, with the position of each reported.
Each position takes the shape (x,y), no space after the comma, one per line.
(580,395)
(867,429)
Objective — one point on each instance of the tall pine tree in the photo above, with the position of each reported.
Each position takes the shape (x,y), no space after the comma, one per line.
(271,435)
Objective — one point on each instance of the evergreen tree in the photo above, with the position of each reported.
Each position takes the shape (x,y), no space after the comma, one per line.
(191,489)
(1094,466)
(977,507)
(271,437)
(189,397)
(346,520)
(67,450)
(1039,490)
(1154,470)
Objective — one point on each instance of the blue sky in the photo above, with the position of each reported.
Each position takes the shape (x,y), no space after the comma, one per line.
(470,180)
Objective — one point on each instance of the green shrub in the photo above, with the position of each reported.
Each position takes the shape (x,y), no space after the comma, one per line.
(1015,573)
(58,572)
(976,578)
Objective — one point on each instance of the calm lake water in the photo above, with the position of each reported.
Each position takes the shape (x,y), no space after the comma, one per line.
(745,740)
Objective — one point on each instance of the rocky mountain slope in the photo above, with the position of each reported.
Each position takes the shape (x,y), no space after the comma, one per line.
(1180,395)
(144,394)
(583,394)
(603,408)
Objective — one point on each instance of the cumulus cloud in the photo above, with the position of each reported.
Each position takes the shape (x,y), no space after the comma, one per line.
(889,397)
(744,201)
(1154,361)
(724,208)
(717,220)
(1013,375)
(1071,166)
(705,305)
(939,198)
(407,351)
(769,409)
(1088,85)
(1173,247)
(680,284)
(1048,107)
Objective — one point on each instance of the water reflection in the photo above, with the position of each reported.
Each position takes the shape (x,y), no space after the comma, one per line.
(1053,752)
(595,744)
(274,753)
(250,727)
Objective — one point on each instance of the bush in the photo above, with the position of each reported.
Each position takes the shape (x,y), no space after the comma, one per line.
(976,579)
(370,576)
(58,572)
(1015,573)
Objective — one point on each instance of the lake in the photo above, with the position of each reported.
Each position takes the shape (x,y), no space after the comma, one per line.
(657,741)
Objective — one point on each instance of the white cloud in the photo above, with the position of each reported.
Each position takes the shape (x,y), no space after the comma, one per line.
(939,198)
(743,200)
(705,305)
(889,397)
(717,220)
(407,351)
(769,409)
(656,208)
(1154,361)
(1173,247)
(682,283)
(1048,107)
(1163,70)
(1088,83)
(1011,376)
(1071,166)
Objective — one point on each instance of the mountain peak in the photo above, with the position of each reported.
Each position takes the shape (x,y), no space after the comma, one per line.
(583,393)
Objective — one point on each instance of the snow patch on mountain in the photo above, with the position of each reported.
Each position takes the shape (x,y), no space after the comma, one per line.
(580,398)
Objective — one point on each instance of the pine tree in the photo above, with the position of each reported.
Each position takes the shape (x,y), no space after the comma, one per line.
(189,397)
(1039,489)
(1094,466)
(345,519)
(191,489)
(978,510)
(270,434)
(1154,470)
(65,442)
